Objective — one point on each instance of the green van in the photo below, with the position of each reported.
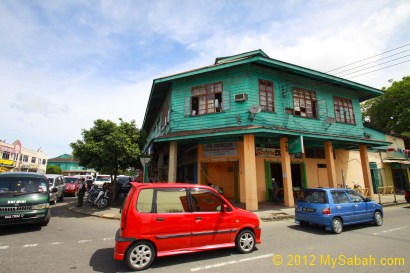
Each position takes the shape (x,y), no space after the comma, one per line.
(24,198)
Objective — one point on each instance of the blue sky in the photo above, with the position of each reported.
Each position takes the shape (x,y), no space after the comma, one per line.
(64,64)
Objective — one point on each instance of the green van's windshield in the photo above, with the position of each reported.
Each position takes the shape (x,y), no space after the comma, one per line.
(22,185)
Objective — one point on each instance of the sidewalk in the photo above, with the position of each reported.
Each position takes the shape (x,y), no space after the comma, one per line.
(267,211)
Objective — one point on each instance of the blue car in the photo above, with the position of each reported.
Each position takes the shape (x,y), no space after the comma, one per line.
(336,207)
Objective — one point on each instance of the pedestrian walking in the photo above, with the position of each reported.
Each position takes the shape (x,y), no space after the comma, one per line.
(80,192)
(275,191)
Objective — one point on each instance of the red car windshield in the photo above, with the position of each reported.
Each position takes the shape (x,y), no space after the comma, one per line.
(71,180)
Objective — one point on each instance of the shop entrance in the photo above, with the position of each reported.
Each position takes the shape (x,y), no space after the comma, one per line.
(223,175)
(298,182)
(400,179)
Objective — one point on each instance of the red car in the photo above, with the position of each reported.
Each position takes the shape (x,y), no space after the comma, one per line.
(71,185)
(407,196)
(160,219)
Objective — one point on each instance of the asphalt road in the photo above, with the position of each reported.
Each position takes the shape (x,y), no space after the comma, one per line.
(77,243)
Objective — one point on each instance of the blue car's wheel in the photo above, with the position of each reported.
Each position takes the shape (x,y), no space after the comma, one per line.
(378,218)
(337,225)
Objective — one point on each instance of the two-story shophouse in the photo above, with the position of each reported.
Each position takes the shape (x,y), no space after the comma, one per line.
(247,119)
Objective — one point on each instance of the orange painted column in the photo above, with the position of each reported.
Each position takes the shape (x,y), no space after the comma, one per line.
(366,169)
(330,164)
(172,163)
(251,196)
(286,173)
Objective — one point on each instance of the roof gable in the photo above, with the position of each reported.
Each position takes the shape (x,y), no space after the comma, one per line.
(237,57)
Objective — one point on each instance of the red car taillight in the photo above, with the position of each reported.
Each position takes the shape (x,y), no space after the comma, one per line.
(124,210)
(326,211)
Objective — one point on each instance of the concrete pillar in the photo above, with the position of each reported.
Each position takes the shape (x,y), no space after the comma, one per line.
(286,173)
(172,165)
(161,166)
(199,169)
(330,165)
(251,195)
(366,169)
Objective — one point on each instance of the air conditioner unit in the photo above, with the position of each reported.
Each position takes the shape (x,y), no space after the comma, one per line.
(241,97)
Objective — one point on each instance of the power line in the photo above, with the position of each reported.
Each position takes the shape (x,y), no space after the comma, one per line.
(331,82)
(374,66)
(379,69)
(372,62)
(368,58)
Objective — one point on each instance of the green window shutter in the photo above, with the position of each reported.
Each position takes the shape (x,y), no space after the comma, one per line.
(226,100)
(187,106)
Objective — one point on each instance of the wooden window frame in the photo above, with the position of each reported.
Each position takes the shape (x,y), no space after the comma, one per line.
(203,99)
(304,103)
(266,95)
(344,112)
(165,116)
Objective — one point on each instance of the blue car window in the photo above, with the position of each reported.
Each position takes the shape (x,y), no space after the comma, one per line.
(355,197)
(313,197)
(339,197)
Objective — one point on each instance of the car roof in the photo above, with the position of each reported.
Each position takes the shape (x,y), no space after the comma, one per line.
(169,185)
(53,175)
(21,174)
(326,189)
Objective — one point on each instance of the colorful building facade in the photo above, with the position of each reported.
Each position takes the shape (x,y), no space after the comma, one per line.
(248,118)
(15,157)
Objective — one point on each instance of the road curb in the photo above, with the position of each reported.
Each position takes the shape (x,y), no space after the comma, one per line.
(390,204)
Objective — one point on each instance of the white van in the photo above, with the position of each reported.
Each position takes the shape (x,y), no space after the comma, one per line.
(101,179)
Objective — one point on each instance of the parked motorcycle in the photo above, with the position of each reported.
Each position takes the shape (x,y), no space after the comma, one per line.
(103,197)
(92,194)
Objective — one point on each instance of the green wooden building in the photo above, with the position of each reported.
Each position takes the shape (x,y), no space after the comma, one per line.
(69,165)
(249,118)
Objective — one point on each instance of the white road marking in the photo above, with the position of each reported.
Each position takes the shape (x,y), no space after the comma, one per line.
(83,241)
(195,269)
(390,230)
(58,243)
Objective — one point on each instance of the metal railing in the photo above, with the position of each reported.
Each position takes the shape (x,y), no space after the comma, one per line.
(388,190)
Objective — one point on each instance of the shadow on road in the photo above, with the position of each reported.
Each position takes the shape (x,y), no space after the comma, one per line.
(13,229)
(103,261)
(320,230)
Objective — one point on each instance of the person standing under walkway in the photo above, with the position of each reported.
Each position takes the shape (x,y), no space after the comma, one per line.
(275,191)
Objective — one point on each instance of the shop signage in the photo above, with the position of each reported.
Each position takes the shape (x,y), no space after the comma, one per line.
(296,145)
(269,152)
(220,149)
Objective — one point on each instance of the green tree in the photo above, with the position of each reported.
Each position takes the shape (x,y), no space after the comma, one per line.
(109,147)
(391,111)
(53,169)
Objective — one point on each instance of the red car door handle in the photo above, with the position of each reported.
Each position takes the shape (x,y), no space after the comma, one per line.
(160,219)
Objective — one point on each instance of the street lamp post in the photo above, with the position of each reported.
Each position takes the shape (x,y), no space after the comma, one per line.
(144,162)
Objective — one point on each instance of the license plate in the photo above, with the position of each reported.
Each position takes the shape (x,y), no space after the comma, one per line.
(13,216)
(308,209)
